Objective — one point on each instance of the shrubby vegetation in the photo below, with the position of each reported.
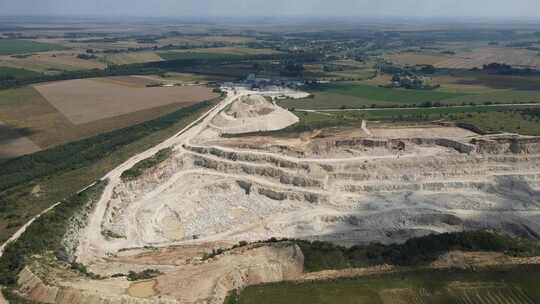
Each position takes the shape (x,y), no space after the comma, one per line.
(505,69)
(45,234)
(419,251)
(415,252)
(143,275)
(146,164)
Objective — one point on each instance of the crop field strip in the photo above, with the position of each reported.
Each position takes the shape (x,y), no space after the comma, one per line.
(460,287)
(475,57)
(19,46)
(365,96)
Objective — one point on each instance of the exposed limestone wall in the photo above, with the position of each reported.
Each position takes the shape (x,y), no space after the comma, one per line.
(507,144)
(124,194)
(277,174)
(286,264)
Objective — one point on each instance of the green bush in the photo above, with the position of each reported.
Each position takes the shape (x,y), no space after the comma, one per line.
(139,168)
(45,234)
(416,251)
(143,275)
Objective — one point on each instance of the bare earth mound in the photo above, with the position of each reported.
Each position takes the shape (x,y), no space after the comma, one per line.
(253,113)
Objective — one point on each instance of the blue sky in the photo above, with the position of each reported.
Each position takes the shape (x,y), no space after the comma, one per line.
(351,8)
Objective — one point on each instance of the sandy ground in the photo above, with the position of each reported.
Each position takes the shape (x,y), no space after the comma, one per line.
(87,100)
(144,289)
(429,132)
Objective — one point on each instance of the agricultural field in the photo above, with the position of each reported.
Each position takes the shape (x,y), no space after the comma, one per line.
(66,172)
(105,98)
(19,46)
(523,119)
(6,72)
(468,59)
(214,53)
(172,55)
(50,117)
(51,62)
(505,286)
(357,95)
(454,90)
(129,58)
(13,142)
(341,69)
(195,41)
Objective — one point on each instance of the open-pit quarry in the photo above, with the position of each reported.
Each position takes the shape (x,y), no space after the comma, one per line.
(380,183)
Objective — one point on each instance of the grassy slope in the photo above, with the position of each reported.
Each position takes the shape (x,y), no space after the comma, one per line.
(18,46)
(412,287)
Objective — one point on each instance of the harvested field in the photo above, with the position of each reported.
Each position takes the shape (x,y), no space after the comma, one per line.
(481,56)
(129,58)
(489,287)
(51,61)
(87,100)
(471,58)
(410,58)
(13,144)
(129,81)
(26,109)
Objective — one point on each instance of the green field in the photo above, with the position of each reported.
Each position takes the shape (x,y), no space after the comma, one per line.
(522,119)
(196,55)
(388,94)
(7,72)
(337,96)
(354,96)
(517,285)
(19,46)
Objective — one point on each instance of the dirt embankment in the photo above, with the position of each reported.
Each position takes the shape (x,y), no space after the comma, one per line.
(202,282)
